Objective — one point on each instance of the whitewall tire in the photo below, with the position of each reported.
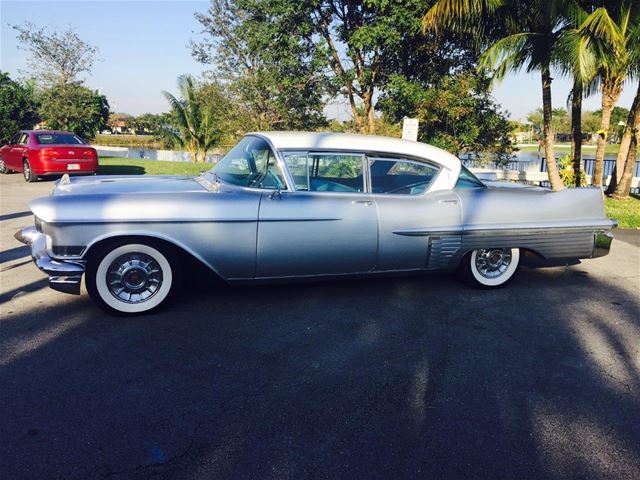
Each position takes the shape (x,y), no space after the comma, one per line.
(490,267)
(130,278)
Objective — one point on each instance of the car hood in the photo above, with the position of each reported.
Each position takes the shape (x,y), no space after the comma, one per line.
(126,184)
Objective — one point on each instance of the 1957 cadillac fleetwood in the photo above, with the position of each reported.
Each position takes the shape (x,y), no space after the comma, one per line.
(293,205)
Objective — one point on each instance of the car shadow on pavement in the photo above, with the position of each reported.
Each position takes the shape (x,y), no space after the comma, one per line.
(388,378)
(14,254)
(11,216)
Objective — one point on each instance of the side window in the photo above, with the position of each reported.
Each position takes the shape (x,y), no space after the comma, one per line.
(299,170)
(14,139)
(400,177)
(24,139)
(327,172)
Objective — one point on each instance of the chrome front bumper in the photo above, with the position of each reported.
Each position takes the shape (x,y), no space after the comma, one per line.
(64,276)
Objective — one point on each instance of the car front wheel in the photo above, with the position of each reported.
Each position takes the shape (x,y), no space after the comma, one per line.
(489,267)
(29,176)
(131,278)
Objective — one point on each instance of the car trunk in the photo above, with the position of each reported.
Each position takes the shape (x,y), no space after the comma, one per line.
(69,153)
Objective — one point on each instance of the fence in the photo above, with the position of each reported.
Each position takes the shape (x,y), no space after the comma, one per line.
(150,154)
(532,172)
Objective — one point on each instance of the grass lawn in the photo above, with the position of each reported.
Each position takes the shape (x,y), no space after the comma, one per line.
(132,166)
(626,212)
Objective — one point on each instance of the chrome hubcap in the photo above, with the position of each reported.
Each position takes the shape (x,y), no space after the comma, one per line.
(134,277)
(27,171)
(493,262)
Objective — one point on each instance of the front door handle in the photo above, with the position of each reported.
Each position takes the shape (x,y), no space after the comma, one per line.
(363,202)
(453,202)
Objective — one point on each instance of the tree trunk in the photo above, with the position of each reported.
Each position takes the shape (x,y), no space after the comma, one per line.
(633,120)
(552,168)
(370,113)
(610,93)
(624,187)
(576,132)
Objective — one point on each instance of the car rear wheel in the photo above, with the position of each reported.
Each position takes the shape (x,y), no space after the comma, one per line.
(489,267)
(29,176)
(131,278)
(3,166)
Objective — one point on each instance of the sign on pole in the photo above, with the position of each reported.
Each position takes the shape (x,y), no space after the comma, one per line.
(410,129)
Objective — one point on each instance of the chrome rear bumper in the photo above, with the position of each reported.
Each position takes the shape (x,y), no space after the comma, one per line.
(63,276)
(602,244)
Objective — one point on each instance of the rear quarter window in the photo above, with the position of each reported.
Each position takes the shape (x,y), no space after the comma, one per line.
(466,179)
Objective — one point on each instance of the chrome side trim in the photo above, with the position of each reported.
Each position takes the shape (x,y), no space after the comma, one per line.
(442,250)
(509,229)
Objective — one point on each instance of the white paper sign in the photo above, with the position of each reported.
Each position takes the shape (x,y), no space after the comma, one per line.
(410,129)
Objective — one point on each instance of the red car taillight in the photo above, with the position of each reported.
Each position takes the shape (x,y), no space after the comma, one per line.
(47,155)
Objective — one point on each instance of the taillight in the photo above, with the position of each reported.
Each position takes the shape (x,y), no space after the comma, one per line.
(47,154)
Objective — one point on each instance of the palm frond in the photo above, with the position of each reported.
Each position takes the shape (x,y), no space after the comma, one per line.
(599,25)
(508,54)
(457,13)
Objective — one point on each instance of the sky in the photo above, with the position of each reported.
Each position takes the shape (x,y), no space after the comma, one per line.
(144,48)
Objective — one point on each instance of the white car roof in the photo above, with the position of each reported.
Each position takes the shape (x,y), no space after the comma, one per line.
(365,143)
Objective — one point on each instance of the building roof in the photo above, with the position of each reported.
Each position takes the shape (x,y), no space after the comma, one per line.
(365,143)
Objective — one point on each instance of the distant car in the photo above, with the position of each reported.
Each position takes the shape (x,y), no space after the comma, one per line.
(284,205)
(38,153)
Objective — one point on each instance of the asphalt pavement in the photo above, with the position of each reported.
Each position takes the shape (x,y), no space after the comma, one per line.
(388,378)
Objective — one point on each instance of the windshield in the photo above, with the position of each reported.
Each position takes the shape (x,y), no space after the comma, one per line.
(58,139)
(251,163)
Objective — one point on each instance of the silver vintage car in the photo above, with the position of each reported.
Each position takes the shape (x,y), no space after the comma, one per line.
(286,205)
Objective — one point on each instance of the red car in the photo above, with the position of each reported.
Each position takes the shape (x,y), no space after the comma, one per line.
(45,152)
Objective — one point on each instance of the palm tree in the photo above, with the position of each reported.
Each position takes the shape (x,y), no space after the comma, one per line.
(196,132)
(625,162)
(576,57)
(526,38)
(609,34)
(621,183)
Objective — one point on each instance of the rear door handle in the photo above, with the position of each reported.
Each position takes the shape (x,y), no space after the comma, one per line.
(453,202)
(363,202)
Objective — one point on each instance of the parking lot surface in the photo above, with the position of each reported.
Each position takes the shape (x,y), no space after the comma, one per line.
(388,378)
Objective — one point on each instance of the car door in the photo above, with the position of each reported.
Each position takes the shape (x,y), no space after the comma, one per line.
(327,226)
(7,151)
(19,151)
(417,229)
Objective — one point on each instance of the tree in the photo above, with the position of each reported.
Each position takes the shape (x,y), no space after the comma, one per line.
(609,30)
(56,57)
(576,57)
(197,129)
(263,50)
(357,37)
(18,107)
(458,114)
(74,107)
(620,184)
(591,122)
(512,35)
